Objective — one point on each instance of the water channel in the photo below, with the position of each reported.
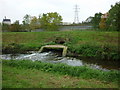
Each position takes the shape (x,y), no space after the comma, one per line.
(51,57)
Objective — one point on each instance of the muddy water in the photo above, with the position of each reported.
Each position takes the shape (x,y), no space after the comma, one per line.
(54,58)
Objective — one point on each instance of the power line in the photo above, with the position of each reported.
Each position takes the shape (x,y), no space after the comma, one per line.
(76,18)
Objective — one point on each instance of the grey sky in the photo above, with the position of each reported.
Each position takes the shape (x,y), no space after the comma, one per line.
(17,9)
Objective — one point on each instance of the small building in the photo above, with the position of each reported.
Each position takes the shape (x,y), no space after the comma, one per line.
(6,21)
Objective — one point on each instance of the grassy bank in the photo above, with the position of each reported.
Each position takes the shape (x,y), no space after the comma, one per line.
(83,71)
(28,74)
(98,44)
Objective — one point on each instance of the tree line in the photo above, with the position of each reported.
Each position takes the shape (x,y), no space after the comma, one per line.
(49,21)
(111,22)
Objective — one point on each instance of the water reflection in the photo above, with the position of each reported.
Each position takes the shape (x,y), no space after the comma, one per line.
(54,58)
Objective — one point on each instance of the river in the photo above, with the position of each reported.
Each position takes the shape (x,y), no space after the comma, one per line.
(51,57)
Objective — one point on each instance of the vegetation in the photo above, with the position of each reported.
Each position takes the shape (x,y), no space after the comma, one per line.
(31,23)
(109,23)
(14,77)
(21,68)
(51,21)
(26,22)
(5,27)
(15,27)
(92,43)
(102,23)
(96,20)
(113,22)
(34,24)
(96,44)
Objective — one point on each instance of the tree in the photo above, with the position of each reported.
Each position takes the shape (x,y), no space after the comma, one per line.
(96,20)
(113,21)
(0,27)
(88,20)
(15,27)
(50,21)
(102,24)
(27,19)
(26,22)
(5,27)
(34,23)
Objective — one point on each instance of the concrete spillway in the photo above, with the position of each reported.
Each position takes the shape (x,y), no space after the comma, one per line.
(64,48)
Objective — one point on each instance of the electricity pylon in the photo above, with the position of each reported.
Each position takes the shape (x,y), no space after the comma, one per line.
(76,18)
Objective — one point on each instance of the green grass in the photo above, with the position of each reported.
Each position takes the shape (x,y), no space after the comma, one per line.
(78,37)
(22,74)
(83,71)
(97,44)
(16,77)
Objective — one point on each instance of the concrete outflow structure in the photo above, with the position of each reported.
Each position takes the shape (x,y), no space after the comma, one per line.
(64,52)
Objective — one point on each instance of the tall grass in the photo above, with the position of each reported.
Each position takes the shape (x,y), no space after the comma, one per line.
(78,71)
(105,52)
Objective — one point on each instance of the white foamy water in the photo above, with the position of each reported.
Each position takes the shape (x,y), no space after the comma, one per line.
(50,58)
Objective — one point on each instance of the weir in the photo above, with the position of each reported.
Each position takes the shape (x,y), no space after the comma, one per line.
(64,48)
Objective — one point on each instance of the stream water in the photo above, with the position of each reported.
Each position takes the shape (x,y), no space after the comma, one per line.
(54,58)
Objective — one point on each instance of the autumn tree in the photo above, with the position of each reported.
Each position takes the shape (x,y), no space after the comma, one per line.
(102,24)
(50,21)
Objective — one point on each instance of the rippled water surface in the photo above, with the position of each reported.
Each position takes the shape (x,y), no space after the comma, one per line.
(54,58)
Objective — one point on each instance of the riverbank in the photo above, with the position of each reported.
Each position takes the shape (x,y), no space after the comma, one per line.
(94,44)
(29,74)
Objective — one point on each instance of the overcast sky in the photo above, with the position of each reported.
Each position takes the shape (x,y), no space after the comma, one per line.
(17,9)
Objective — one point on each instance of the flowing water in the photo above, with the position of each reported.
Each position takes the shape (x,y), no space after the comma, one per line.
(54,58)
